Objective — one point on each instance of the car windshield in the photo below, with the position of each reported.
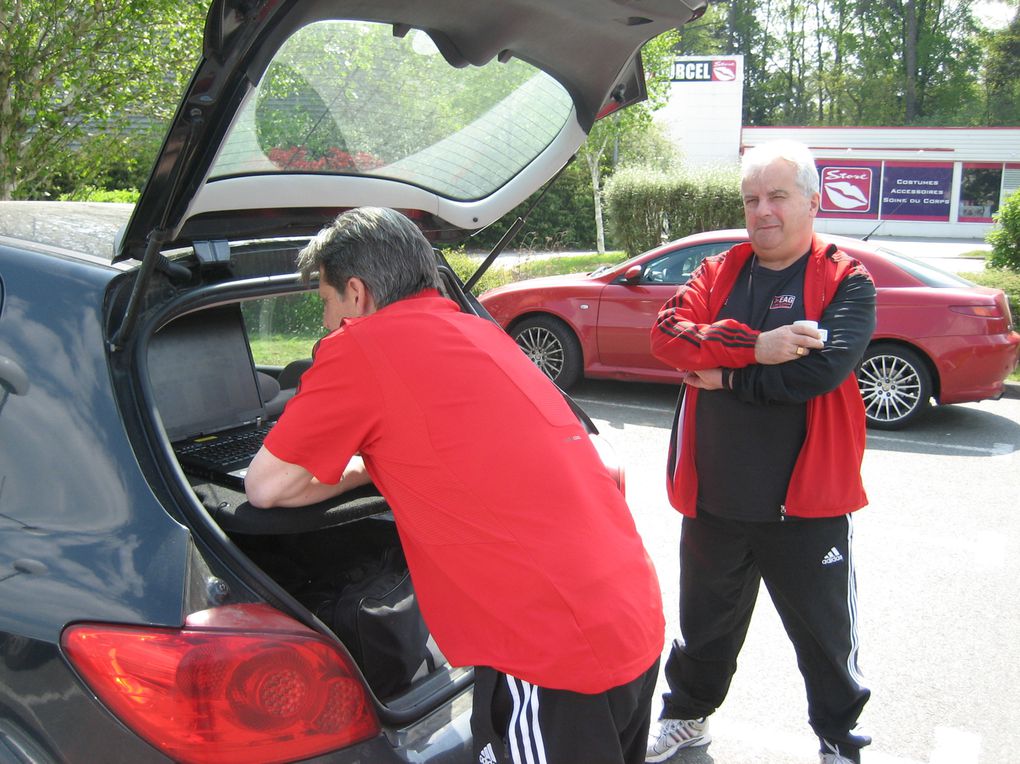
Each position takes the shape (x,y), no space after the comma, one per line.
(336,99)
(928,275)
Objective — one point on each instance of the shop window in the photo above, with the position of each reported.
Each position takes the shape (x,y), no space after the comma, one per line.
(979,192)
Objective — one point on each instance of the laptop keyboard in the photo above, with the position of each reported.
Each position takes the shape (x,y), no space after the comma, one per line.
(228,449)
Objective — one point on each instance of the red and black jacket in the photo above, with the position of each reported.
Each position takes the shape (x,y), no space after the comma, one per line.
(839,294)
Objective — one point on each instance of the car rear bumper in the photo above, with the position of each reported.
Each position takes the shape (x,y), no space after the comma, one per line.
(976,369)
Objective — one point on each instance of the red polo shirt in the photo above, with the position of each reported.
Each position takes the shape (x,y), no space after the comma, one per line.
(523,552)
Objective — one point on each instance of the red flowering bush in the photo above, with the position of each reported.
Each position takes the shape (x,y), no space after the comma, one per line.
(332,160)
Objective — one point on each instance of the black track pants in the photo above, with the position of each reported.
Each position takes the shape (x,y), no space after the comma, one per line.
(807,566)
(516,722)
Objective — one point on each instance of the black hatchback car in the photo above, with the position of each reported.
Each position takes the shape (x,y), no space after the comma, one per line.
(148,612)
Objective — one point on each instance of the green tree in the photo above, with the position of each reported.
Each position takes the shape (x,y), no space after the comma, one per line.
(76,75)
(597,151)
(1002,74)
(850,62)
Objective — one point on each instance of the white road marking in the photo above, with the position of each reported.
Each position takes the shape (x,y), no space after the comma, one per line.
(955,746)
(614,404)
(952,746)
(996,449)
(800,746)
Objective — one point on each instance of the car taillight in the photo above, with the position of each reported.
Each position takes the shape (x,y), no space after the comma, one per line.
(237,684)
(982,311)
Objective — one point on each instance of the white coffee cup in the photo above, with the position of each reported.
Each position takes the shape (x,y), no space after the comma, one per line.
(814,325)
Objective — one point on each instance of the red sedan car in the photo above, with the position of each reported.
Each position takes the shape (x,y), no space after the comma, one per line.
(938,335)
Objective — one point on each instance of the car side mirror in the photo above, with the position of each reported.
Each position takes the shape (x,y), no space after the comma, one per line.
(632,274)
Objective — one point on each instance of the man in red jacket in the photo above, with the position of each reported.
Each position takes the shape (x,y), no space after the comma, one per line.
(765,457)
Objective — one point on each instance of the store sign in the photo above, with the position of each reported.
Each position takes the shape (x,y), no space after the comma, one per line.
(917,191)
(710,70)
(848,191)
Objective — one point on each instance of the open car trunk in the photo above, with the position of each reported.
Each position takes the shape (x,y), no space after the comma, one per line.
(338,565)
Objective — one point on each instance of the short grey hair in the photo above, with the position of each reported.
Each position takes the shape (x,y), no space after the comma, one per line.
(761,156)
(378,245)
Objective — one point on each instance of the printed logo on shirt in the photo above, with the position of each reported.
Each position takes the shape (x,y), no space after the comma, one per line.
(487,756)
(783,301)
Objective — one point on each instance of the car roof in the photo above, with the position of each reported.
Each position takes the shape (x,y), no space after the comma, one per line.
(85,230)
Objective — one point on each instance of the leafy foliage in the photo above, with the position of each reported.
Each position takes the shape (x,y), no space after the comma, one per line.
(79,79)
(1000,278)
(94,194)
(1002,74)
(648,208)
(657,57)
(1005,236)
(850,62)
(563,219)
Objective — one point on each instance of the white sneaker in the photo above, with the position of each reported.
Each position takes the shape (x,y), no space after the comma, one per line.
(833,756)
(675,734)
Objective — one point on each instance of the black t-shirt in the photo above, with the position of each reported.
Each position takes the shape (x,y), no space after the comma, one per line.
(745,452)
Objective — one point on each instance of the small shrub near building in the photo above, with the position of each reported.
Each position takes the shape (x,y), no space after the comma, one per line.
(1005,236)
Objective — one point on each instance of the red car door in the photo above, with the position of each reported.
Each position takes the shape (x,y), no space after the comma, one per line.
(627,308)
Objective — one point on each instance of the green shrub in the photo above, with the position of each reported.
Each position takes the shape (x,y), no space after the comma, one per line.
(93,194)
(1005,236)
(646,207)
(1000,278)
(464,265)
(563,219)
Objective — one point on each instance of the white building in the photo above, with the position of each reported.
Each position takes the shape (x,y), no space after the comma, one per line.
(702,115)
(917,182)
(924,181)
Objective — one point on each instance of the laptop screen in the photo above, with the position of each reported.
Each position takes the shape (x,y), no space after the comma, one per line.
(202,374)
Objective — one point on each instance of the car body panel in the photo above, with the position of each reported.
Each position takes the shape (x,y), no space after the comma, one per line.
(969,355)
(82,536)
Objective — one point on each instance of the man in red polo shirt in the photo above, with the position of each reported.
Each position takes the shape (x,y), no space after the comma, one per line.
(523,552)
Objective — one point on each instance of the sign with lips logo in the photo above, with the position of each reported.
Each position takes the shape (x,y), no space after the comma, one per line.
(848,190)
(724,70)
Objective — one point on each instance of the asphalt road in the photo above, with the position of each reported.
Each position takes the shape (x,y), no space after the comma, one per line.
(938,559)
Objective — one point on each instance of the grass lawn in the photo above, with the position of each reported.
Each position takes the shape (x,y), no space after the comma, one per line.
(280,349)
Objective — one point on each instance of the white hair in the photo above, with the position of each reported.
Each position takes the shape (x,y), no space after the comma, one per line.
(759,157)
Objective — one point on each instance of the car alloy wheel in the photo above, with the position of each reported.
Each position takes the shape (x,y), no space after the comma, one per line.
(895,385)
(552,347)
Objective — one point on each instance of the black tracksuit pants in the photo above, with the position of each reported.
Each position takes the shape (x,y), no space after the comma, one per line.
(807,566)
(514,722)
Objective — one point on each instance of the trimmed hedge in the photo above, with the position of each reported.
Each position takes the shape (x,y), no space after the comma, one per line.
(647,208)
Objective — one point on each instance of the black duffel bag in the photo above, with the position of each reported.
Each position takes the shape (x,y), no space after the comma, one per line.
(378,619)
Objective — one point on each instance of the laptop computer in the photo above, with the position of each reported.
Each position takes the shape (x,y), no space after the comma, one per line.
(207,393)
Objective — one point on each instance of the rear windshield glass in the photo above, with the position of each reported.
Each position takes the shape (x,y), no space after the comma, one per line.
(928,275)
(351,98)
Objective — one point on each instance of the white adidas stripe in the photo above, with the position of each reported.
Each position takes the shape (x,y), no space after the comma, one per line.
(525,733)
(855,642)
